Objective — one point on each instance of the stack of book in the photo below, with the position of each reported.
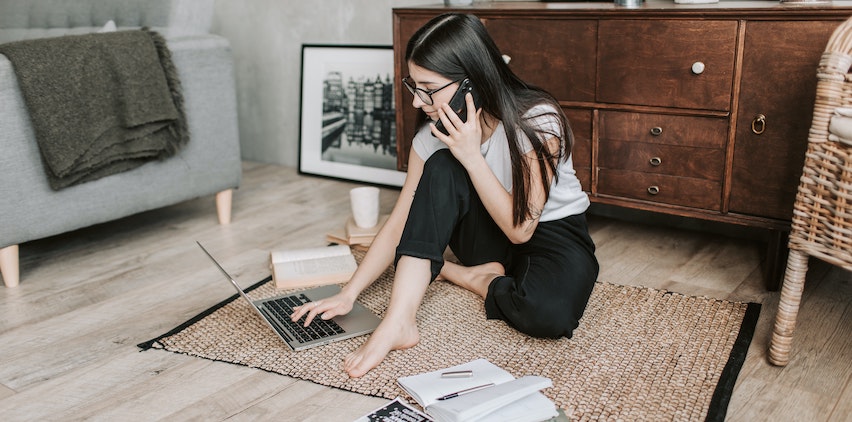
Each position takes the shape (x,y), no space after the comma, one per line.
(352,235)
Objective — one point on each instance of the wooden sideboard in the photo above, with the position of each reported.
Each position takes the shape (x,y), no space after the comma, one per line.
(699,111)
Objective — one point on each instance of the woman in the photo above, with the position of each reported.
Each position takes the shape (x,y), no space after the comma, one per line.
(499,190)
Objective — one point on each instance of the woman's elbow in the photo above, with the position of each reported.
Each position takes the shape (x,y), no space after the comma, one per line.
(518,237)
(522,233)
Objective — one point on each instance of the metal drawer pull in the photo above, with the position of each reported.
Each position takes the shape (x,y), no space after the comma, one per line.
(656,131)
(758,125)
(653,190)
(655,161)
(698,68)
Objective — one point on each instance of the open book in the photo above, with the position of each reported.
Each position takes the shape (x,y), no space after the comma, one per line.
(488,393)
(312,266)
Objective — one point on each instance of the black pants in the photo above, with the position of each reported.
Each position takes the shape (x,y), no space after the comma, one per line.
(549,278)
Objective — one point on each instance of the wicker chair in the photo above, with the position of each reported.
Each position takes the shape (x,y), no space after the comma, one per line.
(822,213)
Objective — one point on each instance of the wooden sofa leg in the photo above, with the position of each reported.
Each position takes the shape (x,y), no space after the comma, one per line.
(223,206)
(9,265)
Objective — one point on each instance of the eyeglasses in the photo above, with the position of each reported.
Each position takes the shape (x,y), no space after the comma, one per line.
(424,95)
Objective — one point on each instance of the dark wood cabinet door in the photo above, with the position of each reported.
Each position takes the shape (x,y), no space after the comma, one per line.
(556,55)
(779,82)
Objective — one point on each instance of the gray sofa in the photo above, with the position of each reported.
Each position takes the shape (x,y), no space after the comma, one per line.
(209,164)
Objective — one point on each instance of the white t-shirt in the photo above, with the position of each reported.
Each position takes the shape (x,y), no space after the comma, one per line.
(566,197)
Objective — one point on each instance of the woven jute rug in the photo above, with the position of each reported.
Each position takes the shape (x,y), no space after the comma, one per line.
(639,353)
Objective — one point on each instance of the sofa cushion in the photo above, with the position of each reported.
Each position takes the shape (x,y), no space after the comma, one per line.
(840,128)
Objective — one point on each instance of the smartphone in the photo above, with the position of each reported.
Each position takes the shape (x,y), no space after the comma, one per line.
(458,103)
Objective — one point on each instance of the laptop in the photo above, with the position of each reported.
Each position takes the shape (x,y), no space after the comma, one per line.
(276,312)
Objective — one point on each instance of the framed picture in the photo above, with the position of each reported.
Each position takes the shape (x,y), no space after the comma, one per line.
(348,116)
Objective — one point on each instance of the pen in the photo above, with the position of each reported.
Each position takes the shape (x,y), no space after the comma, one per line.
(457,374)
(465,391)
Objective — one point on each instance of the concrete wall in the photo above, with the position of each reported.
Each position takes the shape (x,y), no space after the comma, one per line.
(266,38)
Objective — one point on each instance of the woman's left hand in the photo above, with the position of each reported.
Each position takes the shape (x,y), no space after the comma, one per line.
(464,138)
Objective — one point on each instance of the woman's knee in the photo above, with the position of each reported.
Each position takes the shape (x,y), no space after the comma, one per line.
(554,316)
(443,164)
(554,323)
(446,181)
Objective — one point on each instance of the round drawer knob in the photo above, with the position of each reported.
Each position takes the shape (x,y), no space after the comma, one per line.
(653,190)
(655,161)
(698,68)
(656,131)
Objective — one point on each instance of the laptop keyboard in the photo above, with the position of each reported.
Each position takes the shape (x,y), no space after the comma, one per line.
(319,328)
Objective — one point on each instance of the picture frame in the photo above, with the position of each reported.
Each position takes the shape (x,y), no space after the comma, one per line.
(347,127)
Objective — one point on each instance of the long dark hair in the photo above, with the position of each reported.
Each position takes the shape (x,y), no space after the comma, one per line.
(458,46)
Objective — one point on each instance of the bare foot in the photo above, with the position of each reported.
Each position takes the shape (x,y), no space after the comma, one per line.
(390,335)
(476,278)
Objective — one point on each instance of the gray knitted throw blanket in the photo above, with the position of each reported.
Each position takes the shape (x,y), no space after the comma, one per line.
(100,103)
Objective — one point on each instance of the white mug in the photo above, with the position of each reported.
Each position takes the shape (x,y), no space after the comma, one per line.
(365,206)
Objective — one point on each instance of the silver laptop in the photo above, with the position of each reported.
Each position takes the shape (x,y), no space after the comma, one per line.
(276,312)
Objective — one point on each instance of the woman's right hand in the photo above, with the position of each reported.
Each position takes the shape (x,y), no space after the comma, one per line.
(465,138)
(328,308)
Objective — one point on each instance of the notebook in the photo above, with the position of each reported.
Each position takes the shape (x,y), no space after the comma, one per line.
(276,312)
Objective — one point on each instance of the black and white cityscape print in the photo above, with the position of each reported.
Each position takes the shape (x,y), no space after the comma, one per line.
(358,119)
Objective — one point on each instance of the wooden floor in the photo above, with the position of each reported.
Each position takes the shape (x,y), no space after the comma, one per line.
(68,333)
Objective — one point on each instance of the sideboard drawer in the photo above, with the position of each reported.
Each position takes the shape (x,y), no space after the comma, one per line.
(684,191)
(701,163)
(543,54)
(693,69)
(704,132)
